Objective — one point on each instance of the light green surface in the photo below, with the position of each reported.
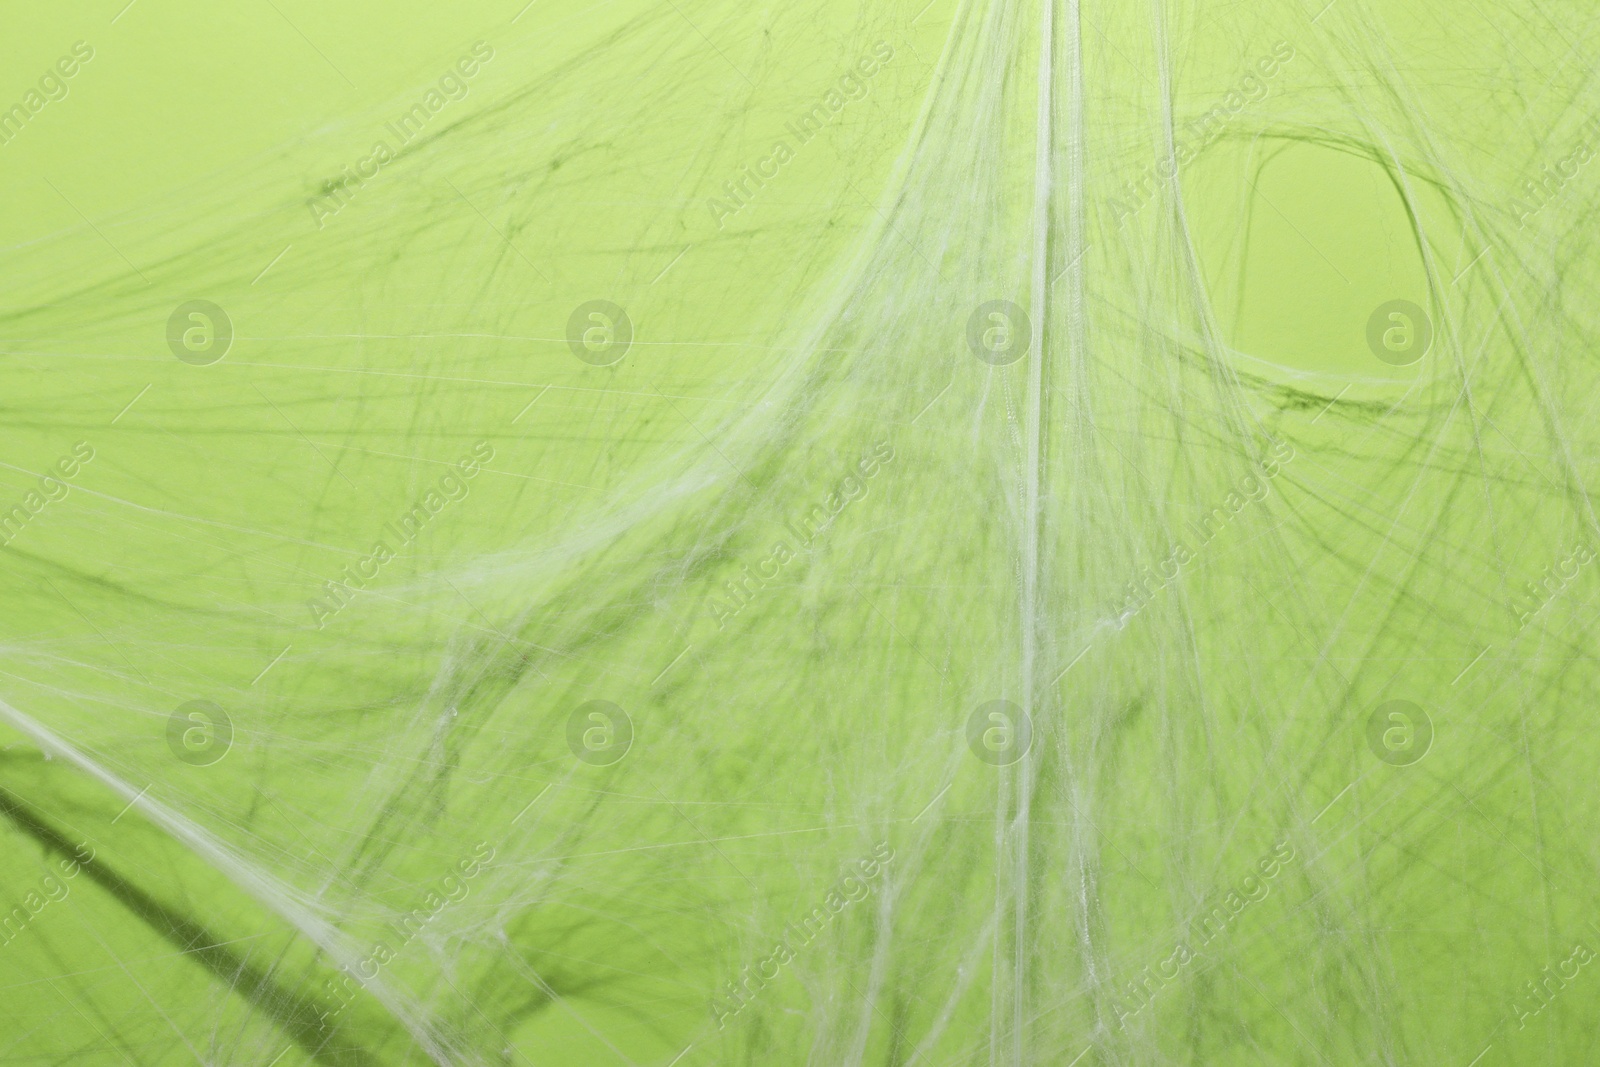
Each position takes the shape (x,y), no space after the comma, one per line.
(413,780)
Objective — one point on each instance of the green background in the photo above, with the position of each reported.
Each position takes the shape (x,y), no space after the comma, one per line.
(1372,532)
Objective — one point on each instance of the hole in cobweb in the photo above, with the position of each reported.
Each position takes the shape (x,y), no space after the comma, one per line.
(1311,258)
